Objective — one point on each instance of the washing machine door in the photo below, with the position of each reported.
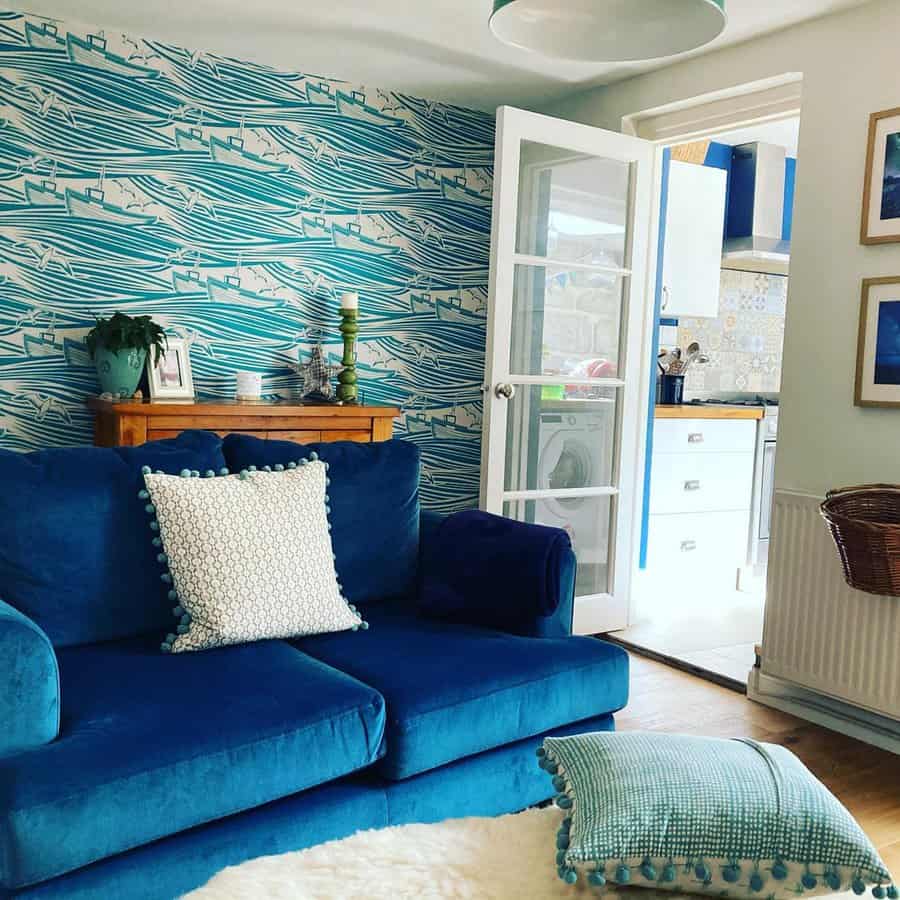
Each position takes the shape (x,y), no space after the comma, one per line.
(566,462)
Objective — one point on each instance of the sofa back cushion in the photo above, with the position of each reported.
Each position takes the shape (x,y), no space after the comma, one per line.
(374,496)
(75,551)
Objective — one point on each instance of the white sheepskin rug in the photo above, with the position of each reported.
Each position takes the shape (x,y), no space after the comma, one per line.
(506,858)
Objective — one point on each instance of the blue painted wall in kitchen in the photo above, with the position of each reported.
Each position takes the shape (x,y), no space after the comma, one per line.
(234,203)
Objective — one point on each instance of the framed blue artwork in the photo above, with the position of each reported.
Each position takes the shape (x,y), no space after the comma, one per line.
(881,192)
(878,350)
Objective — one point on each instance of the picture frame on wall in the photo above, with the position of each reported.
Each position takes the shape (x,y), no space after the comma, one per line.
(878,346)
(881,191)
(171,378)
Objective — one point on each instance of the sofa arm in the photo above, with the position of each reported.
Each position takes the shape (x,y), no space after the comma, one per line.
(29,684)
(483,608)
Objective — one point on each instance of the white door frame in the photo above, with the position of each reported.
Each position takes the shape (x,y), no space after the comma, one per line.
(513,125)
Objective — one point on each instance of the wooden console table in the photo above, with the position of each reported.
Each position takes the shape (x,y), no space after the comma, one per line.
(131,422)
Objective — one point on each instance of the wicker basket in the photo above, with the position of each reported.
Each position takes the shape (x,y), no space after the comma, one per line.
(865,525)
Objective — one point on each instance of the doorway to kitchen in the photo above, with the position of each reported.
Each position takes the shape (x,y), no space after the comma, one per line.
(729,168)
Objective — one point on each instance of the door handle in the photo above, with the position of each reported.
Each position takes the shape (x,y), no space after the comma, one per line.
(504,391)
(692,485)
(665,298)
(695,437)
(687,546)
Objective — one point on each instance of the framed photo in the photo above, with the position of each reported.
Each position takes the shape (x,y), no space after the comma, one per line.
(881,192)
(171,379)
(878,349)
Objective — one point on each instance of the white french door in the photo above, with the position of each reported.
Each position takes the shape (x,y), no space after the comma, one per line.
(570,306)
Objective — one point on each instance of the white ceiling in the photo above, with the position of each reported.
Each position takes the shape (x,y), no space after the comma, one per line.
(440,49)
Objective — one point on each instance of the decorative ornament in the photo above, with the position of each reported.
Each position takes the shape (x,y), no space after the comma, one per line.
(347,391)
(317,375)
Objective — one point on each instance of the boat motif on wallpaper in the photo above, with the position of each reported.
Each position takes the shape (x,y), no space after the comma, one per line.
(320,94)
(188,282)
(403,219)
(315,228)
(92,204)
(191,140)
(44,36)
(457,190)
(76,353)
(428,180)
(354,106)
(448,428)
(43,344)
(44,193)
(92,52)
(232,152)
(352,238)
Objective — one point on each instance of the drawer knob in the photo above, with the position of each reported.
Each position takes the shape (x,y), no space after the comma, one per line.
(692,485)
(687,546)
(695,437)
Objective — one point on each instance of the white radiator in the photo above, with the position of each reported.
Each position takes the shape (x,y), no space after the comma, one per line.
(819,633)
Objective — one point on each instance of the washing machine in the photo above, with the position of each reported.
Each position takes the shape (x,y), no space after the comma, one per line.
(574,451)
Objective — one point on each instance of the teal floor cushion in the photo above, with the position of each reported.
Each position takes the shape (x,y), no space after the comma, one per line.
(734,819)
(151,744)
(455,690)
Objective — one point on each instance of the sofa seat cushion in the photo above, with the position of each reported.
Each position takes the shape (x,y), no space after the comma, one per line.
(151,744)
(455,690)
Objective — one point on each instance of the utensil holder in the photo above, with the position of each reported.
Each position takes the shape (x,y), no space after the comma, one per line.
(672,390)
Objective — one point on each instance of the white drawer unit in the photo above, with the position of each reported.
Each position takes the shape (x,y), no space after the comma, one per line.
(694,482)
(703,436)
(715,541)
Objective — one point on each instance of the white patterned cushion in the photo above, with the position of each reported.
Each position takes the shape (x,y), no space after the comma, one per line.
(248,556)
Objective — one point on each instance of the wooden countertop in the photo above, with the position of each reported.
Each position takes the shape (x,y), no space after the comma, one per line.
(709,411)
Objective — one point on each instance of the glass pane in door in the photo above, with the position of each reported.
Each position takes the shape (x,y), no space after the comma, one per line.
(559,444)
(566,322)
(588,523)
(572,206)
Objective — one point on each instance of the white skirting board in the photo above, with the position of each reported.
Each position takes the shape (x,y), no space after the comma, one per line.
(828,651)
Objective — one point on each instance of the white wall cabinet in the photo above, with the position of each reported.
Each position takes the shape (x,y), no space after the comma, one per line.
(695,226)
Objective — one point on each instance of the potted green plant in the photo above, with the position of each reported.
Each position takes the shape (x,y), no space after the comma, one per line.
(119,346)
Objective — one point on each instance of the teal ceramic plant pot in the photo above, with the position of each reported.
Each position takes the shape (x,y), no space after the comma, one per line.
(119,373)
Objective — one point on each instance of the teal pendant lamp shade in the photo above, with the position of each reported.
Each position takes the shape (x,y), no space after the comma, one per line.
(607,30)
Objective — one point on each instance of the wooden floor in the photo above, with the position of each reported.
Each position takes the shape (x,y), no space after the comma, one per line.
(864,778)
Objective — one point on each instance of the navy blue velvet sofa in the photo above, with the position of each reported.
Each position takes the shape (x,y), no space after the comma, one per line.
(129,773)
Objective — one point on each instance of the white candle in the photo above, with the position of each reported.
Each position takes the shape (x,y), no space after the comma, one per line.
(350,300)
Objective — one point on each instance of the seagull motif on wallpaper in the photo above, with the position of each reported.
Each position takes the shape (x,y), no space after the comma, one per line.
(184,113)
(428,231)
(317,281)
(141,51)
(47,101)
(46,255)
(34,162)
(321,150)
(195,339)
(424,353)
(45,405)
(435,110)
(193,199)
(201,57)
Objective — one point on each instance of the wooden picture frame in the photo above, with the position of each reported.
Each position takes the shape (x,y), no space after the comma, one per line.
(880,223)
(172,379)
(878,344)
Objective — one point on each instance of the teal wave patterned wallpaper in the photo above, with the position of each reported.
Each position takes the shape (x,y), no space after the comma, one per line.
(234,203)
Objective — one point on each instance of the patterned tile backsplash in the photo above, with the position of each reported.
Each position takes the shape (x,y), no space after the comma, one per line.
(744,343)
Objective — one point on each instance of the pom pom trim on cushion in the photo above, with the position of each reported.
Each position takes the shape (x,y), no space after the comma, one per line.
(182,616)
(661,872)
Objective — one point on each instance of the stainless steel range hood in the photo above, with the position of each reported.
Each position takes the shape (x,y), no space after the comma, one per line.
(755,219)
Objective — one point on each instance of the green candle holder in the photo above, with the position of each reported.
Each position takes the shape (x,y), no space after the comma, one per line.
(347,390)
